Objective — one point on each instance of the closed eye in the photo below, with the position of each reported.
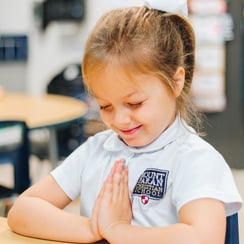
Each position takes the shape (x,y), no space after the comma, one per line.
(104,107)
(135,105)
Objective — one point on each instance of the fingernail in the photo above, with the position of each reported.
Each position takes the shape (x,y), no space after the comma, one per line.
(123,163)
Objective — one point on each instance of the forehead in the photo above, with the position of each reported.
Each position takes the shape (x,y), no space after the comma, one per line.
(115,82)
(116,76)
(126,65)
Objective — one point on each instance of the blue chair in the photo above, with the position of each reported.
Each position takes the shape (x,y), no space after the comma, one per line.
(14,150)
(232,230)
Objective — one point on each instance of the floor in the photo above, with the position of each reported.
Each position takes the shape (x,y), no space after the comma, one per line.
(40,169)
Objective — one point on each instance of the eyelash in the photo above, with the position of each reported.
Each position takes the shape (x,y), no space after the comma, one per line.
(134,105)
(104,107)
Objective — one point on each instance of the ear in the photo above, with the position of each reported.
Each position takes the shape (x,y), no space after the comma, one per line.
(179,80)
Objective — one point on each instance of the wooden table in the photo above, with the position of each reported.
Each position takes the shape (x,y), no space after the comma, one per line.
(9,237)
(46,111)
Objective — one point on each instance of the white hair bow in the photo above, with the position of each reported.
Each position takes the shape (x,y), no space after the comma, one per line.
(172,6)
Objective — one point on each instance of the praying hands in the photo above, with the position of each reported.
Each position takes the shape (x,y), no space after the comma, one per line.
(112,207)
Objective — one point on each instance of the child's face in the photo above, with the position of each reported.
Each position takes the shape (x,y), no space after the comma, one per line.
(138,108)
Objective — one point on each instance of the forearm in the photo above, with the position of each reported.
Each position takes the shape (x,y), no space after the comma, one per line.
(35,217)
(175,234)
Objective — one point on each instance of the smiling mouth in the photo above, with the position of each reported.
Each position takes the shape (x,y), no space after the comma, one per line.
(131,131)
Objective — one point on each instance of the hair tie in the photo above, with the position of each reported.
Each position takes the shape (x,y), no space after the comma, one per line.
(172,6)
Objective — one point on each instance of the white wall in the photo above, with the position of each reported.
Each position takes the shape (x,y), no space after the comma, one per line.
(59,45)
(14,19)
(15,16)
(49,50)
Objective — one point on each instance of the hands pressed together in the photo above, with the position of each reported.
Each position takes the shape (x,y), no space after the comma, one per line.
(112,208)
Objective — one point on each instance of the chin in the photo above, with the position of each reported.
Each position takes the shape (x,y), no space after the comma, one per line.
(135,143)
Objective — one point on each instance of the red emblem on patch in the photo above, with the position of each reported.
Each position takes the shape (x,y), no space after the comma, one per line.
(145,199)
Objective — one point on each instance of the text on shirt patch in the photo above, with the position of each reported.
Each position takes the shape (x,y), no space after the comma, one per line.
(152,184)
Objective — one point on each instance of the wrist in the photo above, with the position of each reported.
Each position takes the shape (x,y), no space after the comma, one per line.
(115,233)
(92,235)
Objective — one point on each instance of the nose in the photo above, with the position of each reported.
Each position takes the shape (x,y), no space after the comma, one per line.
(122,117)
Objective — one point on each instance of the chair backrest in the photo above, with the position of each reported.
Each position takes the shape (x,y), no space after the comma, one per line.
(14,149)
(232,230)
(69,82)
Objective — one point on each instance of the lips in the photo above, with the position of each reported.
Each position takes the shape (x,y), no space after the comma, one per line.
(131,131)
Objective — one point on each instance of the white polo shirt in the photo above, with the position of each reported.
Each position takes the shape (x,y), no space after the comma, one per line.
(176,168)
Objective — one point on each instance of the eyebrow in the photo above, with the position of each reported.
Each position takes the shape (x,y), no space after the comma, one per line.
(126,96)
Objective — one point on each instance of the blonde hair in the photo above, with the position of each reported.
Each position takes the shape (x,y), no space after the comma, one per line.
(148,41)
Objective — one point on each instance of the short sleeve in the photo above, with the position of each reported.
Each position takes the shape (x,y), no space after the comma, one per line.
(205,174)
(68,173)
(74,170)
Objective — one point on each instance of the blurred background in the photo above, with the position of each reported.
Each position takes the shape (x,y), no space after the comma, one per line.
(40,39)
(42,42)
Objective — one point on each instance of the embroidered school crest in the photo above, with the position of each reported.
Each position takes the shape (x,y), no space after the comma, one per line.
(152,184)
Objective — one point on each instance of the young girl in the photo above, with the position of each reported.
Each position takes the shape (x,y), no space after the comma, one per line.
(150,178)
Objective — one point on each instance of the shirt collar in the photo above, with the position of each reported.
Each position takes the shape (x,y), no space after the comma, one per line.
(177,128)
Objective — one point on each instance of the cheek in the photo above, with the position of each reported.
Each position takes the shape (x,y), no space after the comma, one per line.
(154,117)
(148,113)
(105,118)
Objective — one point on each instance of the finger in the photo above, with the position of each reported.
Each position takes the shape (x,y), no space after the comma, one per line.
(108,192)
(118,178)
(124,181)
(125,174)
(119,165)
(100,194)
(114,168)
(98,202)
(95,211)
(110,188)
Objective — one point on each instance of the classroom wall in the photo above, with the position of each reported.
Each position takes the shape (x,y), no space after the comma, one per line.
(14,19)
(50,50)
